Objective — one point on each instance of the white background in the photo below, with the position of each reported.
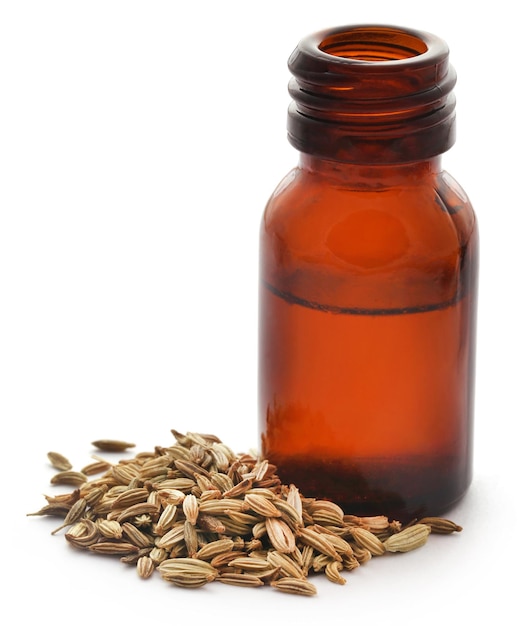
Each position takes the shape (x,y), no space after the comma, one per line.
(139,142)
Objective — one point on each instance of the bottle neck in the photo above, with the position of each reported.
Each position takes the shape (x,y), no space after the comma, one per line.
(371,176)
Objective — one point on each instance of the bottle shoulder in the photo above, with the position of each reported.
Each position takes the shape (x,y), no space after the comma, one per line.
(411,236)
(430,210)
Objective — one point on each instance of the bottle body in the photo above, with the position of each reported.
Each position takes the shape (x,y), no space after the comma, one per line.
(367,332)
(368,262)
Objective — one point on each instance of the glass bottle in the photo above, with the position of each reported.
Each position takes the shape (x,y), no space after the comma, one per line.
(368,286)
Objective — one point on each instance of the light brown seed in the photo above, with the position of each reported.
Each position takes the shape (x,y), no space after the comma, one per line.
(69,477)
(280,535)
(142,508)
(113,548)
(212,549)
(112,445)
(181,484)
(158,555)
(294,500)
(59,461)
(98,467)
(74,515)
(174,536)
(295,586)
(191,508)
(250,564)
(320,542)
(440,525)
(171,567)
(332,573)
(145,567)
(190,538)
(223,559)
(325,511)
(166,519)
(239,489)
(410,538)
(53,510)
(219,507)
(136,536)
(82,534)
(365,539)
(240,580)
(261,505)
(210,523)
(171,496)
(110,529)
(287,565)
(288,513)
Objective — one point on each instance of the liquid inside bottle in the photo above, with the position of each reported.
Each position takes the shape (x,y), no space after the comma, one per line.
(369,409)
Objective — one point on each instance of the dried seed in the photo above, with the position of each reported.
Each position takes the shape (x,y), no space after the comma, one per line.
(172,567)
(59,461)
(326,512)
(221,481)
(239,489)
(332,573)
(110,529)
(69,477)
(54,510)
(158,555)
(82,534)
(212,549)
(95,495)
(98,467)
(191,508)
(240,580)
(408,539)
(112,445)
(166,519)
(136,536)
(280,535)
(321,543)
(171,496)
(189,469)
(142,508)
(288,513)
(132,559)
(67,499)
(440,525)
(261,505)
(219,507)
(250,564)
(222,560)
(210,523)
(295,586)
(113,548)
(171,538)
(190,538)
(287,565)
(259,530)
(74,515)
(365,539)
(342,547)
(181,484)
(145,567)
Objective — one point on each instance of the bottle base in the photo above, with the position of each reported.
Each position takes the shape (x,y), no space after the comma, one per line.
(402,490)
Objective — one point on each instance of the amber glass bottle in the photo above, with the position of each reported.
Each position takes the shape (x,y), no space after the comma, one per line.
(369,256)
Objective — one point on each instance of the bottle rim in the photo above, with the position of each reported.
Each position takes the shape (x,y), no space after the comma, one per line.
(372,93)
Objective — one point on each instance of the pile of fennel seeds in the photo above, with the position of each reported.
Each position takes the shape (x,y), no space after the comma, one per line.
(196,512)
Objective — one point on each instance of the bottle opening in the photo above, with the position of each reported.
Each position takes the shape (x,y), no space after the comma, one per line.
(373,45)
